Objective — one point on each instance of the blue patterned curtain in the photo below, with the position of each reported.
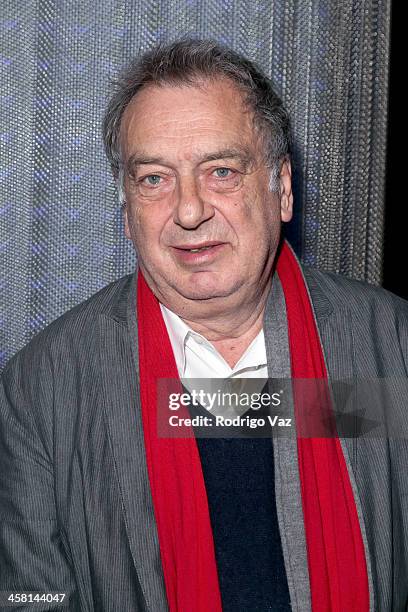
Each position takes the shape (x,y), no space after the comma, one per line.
(60,225)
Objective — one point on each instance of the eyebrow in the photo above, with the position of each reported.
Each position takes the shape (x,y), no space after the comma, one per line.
(243,155)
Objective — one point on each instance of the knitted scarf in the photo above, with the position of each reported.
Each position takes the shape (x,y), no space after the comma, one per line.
(335,550)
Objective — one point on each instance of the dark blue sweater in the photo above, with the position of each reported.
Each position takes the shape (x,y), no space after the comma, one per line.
(240,484)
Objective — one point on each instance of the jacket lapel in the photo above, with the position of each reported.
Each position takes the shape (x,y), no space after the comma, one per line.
(336,338)
(335,334)
(287,482)
(120,391)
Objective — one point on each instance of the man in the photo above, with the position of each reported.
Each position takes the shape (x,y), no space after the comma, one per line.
(93,503)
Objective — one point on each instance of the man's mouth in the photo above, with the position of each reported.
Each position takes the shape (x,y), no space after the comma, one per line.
(203,252)
(196,248)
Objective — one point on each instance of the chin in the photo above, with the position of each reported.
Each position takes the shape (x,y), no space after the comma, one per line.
(200,287)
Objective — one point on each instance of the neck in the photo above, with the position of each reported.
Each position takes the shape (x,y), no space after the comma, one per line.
(233,332)
(229,323)
(231,344)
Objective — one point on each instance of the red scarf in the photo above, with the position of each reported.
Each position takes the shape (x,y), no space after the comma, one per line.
(335,551)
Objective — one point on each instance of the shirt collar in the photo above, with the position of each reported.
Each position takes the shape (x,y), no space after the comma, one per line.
(179,333)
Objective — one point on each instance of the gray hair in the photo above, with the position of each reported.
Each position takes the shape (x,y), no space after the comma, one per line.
(185,62)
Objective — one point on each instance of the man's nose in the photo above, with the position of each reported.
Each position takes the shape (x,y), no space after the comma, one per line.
(191,208)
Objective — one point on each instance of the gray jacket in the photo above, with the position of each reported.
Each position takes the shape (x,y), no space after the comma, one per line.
(76,513)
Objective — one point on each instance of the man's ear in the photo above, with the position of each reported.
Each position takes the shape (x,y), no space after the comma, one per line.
(126,221)
(285,191)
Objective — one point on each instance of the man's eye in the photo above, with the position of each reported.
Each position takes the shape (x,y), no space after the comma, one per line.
(223,172)
(152,179)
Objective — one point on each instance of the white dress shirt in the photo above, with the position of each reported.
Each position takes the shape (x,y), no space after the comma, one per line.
(196,357)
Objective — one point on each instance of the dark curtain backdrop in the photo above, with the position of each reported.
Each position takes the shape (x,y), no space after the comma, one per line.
(60,224)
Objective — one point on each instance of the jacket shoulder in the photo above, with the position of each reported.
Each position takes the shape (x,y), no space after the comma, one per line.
(335,291)
(375,319)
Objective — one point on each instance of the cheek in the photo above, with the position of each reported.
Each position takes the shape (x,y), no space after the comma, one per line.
(258,214)
(146,225)
(134,216)
(259,224)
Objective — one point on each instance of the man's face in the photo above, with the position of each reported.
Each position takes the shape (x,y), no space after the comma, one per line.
(199,209)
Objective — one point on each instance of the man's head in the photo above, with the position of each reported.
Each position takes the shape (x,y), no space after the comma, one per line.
(199,144)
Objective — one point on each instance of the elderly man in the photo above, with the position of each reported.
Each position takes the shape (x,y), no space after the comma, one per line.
(93,502)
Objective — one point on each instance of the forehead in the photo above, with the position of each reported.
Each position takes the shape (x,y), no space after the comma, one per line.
(188,118)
